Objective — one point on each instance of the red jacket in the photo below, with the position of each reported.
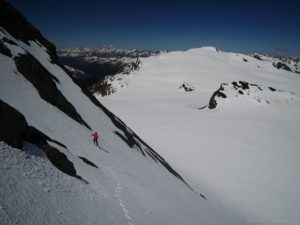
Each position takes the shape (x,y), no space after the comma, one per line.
(95,136)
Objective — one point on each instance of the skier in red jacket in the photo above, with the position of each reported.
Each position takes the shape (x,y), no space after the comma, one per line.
(95,138)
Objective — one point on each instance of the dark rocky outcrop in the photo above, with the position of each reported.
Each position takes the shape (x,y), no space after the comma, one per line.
(13,125)
(17,25)
(245,60)
(14,130)
(186,87)
(242,84)
(258,93)
(4,50)
(245,85)
(127,139)
(283,66)
(87,161)
(35,136)
(102,87)
(212,102)
(257,57)
(60,160)
(57,158)
(272,89)
(44,82)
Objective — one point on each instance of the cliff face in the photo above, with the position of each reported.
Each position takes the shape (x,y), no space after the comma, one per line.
(18,26)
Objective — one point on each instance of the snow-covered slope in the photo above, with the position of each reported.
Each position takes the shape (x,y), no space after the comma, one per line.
(291,64)
(52,173)
(229,122)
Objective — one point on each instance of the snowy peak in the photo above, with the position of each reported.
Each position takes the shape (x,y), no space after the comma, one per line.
(204,48)
(251,93)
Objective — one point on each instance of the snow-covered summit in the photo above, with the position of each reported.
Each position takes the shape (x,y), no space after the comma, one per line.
(204,48)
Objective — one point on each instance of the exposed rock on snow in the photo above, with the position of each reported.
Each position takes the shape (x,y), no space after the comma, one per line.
(112,83)
(280,65)
(15,130)
(212,102)
(13,125)
(45,83)
(17,25)
(187,87)
(256,56)
(87,161)
(291,64)
(4,50)
(252,92)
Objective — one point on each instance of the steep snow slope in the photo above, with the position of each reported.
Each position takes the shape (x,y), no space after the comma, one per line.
(245,150)
(49,117)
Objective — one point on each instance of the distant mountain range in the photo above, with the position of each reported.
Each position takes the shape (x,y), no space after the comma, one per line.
(97,63)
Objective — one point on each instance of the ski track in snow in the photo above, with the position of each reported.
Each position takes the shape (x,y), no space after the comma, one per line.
(118,194)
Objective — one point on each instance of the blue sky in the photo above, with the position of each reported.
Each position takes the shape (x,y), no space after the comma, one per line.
(238,26)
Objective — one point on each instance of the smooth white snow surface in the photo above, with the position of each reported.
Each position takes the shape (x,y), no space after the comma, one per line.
(246,152)
(127,188)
